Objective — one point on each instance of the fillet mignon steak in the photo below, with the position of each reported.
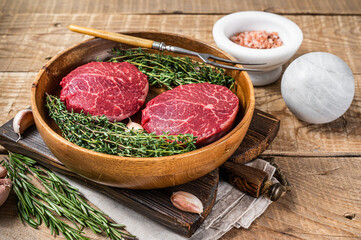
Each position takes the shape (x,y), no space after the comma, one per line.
(202,109)
(116,90)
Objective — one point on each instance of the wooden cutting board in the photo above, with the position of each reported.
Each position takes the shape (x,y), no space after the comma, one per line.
(155,203)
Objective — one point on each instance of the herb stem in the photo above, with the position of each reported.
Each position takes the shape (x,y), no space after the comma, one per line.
(98,134)
(58,199)
(168,71)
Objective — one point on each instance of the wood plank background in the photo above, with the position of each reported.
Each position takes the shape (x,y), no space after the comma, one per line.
(331,7)
(45,35)
(36,37)
(322,162)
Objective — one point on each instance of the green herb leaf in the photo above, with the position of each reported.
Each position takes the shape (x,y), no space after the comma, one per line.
(36,206)
(169,72)
(98,134)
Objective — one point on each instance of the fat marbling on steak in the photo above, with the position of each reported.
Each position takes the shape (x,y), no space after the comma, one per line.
(116,90)
(202,109)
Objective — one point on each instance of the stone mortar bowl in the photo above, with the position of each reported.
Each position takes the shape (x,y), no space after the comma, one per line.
(274,58)
(129,172)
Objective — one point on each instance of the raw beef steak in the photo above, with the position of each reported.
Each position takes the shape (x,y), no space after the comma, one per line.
(202,109)
(116,90)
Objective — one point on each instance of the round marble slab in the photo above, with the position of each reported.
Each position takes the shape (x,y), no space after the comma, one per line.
(318,87)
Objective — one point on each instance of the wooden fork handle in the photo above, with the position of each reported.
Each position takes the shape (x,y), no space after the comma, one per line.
(117,37)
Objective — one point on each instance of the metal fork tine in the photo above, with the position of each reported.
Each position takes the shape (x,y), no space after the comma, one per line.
(204,56)
(234,62)
(231,67)
(161,46)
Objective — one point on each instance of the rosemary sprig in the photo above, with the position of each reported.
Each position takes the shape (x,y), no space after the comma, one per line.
(36,206)
(98,134)
(168,71)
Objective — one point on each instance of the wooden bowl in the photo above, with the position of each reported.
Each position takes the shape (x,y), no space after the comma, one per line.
(128,172)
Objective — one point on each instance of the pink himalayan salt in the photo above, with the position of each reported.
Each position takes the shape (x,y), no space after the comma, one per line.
(257,39)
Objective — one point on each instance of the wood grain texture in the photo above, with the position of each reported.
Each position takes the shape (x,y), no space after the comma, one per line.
(113,36)
(181,6)
(45,35)
(9,220)
(262,131)
(133,172)
(341,135)
(48,36)
(324,191)
(339,138)
(155,204)
(247,179)
(324,188)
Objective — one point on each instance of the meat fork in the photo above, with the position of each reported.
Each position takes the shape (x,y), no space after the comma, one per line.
(161,46)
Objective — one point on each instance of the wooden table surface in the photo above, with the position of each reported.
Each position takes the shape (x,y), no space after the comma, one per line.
(322,162)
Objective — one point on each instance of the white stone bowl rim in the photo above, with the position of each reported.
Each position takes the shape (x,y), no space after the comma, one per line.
(229,25)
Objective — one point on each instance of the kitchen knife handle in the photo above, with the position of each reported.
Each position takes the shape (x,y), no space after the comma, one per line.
(117,37)
(251,181)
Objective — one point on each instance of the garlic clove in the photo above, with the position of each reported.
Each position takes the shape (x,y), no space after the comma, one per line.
(5,182)
(134,126)
(5,185)
(187,202)
(3,171)
(22,120)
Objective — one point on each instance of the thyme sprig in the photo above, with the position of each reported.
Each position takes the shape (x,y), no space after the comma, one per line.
(98,134)
(168,71)
(36,206)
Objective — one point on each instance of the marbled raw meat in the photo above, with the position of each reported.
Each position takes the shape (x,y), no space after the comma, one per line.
(202,109)
(116,90)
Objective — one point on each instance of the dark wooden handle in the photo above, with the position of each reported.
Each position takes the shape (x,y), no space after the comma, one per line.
(117,37)
(251,181)
(247,179)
